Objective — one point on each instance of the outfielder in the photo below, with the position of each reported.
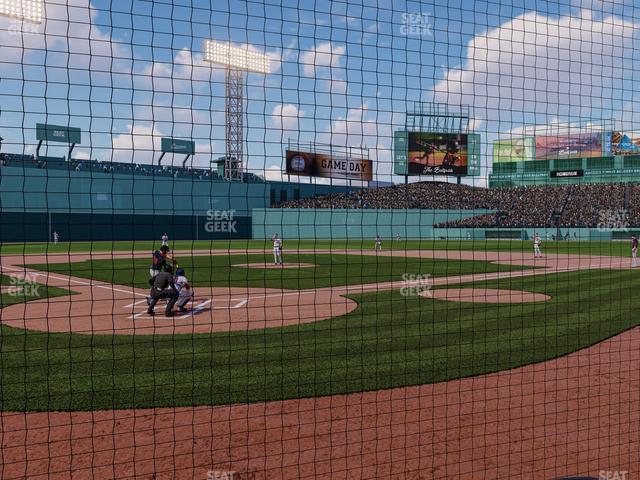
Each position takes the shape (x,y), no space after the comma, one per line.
(378,246)
(634,251)
(277,249)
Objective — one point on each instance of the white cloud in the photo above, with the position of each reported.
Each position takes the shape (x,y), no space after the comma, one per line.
(324,55)
(557,127)
(363,127)
(274,173)
(143,139)
(536,64)
(142,144)
(286,117)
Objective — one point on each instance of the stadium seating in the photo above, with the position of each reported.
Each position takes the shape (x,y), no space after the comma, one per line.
(77,165)
(586,205)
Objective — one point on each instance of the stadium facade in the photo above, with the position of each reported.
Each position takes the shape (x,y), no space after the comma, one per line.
(612,169)
(86,200)
(567,158)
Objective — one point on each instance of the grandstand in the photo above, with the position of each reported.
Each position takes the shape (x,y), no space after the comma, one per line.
(546,206)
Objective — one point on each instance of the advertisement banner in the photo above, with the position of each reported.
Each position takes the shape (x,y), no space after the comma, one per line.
(514,150)
(579,145)
(58,133)
(622,143)
(437,153)
(400,139)
(324,165)
(175,145)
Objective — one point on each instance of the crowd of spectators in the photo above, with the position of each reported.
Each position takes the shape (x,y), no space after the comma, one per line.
(424,195)
(593,205)
(587,205)
(77,165)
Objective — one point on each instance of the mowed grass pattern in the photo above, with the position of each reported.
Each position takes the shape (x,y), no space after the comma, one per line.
(389,341)
(329,270)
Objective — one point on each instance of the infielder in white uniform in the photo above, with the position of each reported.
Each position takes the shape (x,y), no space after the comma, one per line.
(537,241)
(277,249)
(165,240)
(378,246)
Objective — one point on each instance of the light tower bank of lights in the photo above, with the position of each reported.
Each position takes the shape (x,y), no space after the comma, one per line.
(26,10)
(237,61)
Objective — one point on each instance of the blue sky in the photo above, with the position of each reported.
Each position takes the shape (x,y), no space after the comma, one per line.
(131,72)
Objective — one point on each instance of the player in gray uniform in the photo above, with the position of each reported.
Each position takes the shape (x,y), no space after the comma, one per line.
(378,246)
(277,249)
(185,292)
(537,241)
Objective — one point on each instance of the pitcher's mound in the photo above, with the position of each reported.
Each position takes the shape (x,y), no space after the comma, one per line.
(271,265)
(486,295)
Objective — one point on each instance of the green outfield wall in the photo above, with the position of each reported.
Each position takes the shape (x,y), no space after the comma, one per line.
(367,223)
(90,205)
(352,223)
(561,233)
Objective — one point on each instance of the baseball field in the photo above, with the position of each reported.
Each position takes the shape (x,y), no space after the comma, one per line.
(435,357)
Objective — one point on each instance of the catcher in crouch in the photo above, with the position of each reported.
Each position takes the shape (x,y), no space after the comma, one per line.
(185,292)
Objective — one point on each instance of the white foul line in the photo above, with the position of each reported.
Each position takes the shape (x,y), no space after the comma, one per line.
(71,280)
(134,303)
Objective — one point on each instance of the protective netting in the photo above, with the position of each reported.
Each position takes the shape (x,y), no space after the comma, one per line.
(279,239)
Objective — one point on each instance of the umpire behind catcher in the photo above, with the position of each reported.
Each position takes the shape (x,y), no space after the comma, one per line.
(163,287)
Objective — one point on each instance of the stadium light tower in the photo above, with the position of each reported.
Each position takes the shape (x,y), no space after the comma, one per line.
(237,61)
(26,10)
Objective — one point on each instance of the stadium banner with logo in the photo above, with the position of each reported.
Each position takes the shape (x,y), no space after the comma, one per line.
(622,143)
(579,145)
(58,133)
(310,164)
(566,173)
(400,139)
(514,150)
(437,153)
(175,145)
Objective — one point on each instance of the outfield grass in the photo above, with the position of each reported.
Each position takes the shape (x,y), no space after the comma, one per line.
(330,270)
(621,248)
(389,341)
